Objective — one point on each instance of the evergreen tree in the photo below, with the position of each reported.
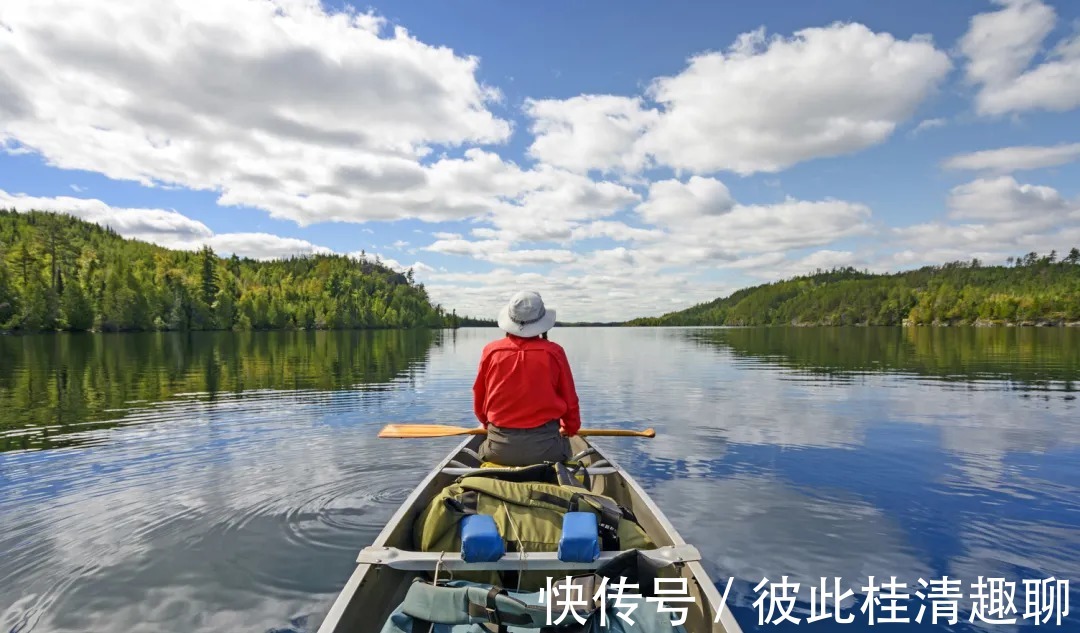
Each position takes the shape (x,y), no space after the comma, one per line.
(60,272)
(77,312)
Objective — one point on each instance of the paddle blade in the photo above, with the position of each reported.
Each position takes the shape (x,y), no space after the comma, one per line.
(427,430)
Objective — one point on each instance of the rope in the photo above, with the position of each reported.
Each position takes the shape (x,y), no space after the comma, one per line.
(522,560)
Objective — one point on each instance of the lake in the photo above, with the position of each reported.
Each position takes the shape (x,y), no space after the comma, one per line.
(225,481)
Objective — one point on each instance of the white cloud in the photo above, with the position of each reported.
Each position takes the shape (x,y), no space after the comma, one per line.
(1005,199)
(160,226)
(164,227)
(589,132)
(928,124)
(581,291)
(1000,47)
(692,223)
(618,231)
(264,245)
(499,252)
(768,104)
(778,266)
(705,223)
(279,105)
(764,105)
(1008,159)
(993,219)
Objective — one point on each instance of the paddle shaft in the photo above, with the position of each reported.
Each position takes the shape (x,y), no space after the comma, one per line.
(444,430)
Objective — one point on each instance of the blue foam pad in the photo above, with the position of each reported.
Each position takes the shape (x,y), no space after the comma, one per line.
(580,541)
(480,539)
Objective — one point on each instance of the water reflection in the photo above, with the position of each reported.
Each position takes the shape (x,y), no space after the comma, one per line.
(235,495)
(54,385)
(1031,358)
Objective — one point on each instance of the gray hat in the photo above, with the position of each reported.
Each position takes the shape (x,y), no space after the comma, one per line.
(526,315)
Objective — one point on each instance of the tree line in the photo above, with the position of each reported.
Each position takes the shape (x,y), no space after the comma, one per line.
(1030,289)
(61,273)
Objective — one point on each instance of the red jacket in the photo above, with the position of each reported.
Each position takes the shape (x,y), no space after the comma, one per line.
(525,382)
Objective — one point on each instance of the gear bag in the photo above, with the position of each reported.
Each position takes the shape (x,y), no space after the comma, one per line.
(527,505)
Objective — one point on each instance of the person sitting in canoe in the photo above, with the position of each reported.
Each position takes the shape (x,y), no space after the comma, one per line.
(524,392)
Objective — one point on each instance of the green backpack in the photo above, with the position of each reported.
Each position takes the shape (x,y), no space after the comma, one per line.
(528,505)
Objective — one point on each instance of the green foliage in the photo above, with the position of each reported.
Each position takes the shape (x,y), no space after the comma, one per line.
(57,272)
(1035,289)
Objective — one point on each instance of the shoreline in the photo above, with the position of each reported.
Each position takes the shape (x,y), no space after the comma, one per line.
(906,324)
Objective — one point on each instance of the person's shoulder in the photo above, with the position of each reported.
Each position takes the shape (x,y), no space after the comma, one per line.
(553,347)
(497,344)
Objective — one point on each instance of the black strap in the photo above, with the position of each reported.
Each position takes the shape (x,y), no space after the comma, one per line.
(493,607)
(608,526)
(636,568)
(467,504)
(490,610)
(422,626)
(585,476)
(538,473)
(568,477)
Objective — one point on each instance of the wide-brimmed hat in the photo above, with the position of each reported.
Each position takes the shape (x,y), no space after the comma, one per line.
(526,315)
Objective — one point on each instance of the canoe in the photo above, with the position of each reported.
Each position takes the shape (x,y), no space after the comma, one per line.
(386,568)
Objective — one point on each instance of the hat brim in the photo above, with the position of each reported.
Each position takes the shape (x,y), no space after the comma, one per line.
(506,324)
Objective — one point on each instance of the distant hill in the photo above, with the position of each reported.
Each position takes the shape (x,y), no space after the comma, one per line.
(61,273)
(1032,290)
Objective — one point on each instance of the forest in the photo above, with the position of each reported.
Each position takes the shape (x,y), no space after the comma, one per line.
(60,273)
(1030,290)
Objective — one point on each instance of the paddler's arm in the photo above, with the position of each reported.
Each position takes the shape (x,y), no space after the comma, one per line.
(480,393)
(571,421)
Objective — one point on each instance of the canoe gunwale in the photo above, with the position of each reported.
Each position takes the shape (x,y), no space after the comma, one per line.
(345,597)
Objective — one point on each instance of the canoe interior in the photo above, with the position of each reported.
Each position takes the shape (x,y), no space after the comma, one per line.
(374,591)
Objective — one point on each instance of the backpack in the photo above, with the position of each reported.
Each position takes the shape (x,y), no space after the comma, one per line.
(527,505)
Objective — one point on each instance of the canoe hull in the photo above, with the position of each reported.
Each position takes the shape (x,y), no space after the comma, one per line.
(374,590)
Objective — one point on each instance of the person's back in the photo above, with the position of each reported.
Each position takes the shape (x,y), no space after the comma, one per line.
(524,392)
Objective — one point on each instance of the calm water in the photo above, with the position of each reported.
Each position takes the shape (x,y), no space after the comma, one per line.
(224,482)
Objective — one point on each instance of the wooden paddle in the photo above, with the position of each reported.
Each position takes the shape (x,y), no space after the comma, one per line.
(445,430)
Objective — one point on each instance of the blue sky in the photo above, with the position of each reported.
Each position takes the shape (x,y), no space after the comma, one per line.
(624,160)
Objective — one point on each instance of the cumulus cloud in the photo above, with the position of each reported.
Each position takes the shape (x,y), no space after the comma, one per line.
(1004,198)
(769,103)
(590,132)
(780,266)
(1009,159)
(1000,47)
(278,105)
(580,291)
(499,251)
(705,223)
(160,226)
(992,219)
(675,201)
(691,223)
(763,105)
(264,245)
(164,227)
